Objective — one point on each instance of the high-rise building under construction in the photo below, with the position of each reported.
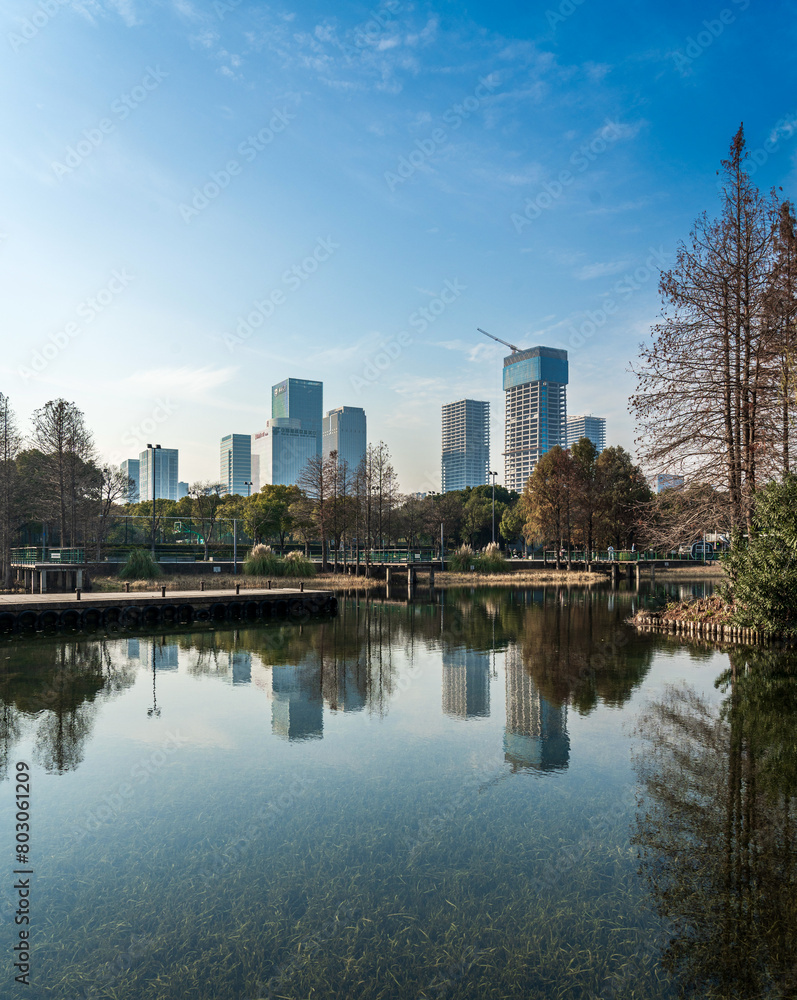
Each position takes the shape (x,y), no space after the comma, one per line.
(535,389)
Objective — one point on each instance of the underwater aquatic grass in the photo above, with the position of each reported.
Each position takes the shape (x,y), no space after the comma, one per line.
(527,889)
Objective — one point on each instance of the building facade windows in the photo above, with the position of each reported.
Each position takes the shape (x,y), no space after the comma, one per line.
(466,444)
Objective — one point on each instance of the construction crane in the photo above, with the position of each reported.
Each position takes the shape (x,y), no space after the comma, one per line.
(504,342)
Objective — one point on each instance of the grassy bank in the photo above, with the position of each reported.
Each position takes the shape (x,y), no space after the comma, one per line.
(516,579)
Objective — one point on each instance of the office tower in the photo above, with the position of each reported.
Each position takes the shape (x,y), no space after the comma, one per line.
(235,468)
(300,399)
(162,464)
(466,683)
(535,737)
(131,468)
(344,432)
(590,427)
(466,444)
(664,481)
(280,453)
(535,389)
(182,490)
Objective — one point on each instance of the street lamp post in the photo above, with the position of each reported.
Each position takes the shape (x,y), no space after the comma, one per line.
(248,483)
(493,474)
(151,454)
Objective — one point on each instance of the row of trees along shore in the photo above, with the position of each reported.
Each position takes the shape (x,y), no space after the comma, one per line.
(54,477)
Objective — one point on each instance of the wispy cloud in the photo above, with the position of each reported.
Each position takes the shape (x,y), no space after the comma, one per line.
(181,381)
(600,269)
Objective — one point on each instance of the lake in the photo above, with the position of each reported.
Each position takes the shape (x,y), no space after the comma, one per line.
(479,794)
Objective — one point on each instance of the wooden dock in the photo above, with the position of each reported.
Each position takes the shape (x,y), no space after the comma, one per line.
(26,612)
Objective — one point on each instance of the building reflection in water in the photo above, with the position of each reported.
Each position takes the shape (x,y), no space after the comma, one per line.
(162,653)
(466,683)
(297,708)
(535,737)
(241,664)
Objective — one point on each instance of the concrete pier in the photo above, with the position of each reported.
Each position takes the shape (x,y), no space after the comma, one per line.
(40,611)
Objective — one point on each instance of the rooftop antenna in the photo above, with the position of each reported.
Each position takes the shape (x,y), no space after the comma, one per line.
(504,342)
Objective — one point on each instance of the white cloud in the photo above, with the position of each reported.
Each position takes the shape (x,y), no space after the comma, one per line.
(600,269)
(182,380)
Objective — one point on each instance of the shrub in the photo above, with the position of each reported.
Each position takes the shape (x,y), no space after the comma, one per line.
(763,568)
(462,560)
(261,561)
(490,560)
(297,564)
(140,566)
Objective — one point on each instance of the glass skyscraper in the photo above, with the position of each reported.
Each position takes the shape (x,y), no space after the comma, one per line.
(131,468)
(466,444)
(590,427)
(235,468)
(280,453)
(164,463)
(300,399)
(345,432)
(535,392)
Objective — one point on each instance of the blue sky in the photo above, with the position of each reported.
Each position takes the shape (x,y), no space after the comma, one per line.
(201,199)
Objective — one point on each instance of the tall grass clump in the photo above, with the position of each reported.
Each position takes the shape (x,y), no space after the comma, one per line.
(297,564)
(140,566)
(262,561)
(489,560)
(462,560)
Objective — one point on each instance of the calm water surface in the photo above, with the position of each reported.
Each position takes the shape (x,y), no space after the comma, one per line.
(481,794)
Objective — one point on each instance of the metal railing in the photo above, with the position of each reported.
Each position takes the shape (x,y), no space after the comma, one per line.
(32,554)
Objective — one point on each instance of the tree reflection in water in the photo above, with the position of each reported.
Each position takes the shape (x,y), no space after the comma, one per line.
(53,687)
(716,826)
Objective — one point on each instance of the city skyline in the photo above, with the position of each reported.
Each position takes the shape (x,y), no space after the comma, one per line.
(526,170)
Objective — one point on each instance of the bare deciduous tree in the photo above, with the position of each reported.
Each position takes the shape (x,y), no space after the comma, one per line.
(705,384)
(60,433)
(10,489)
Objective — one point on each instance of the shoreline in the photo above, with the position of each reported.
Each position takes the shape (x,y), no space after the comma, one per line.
(341,582)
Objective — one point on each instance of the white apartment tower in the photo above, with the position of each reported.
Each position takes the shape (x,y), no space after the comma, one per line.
(466,444)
